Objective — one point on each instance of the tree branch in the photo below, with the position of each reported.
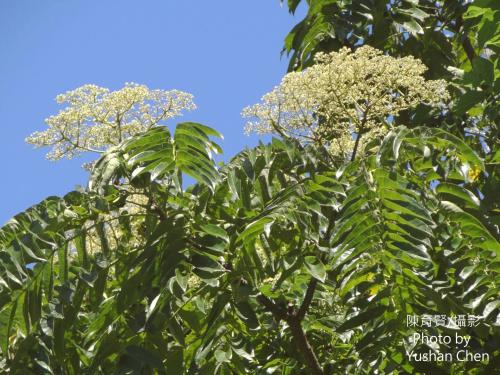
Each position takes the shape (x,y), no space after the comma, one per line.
(304,347)
(358,136)
(307,299)
(298,334)
(467,45)
(278,130)
(277,311)
(464,38)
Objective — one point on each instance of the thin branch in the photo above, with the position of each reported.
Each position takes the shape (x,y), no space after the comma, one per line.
(467,45)
(305,348)
(298,334)
(278,312)
(119,126)
(307,299)
(78,146)
(358,136)
(464,38)
(275,125)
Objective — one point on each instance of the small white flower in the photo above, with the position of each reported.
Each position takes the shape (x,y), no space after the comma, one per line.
(96,118)
(344,93)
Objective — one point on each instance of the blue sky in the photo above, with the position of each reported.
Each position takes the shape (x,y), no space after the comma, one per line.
(226,53)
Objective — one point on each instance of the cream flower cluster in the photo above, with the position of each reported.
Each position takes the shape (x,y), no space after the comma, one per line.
(96,118)
(344,94)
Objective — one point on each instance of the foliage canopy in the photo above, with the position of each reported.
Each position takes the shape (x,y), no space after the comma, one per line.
(282,260)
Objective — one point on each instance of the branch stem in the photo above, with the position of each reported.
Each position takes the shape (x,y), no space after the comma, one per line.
(298,334)
(307,299)
(359,134)
(303,345)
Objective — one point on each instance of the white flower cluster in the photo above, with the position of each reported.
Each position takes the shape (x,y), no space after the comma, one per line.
(96,118)
(344,94)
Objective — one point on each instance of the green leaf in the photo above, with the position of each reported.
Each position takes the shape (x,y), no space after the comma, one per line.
(482,72)
(145,356)
(361,318)
(247,314)
(413,27)
(174,360)
(463,194)
(255,228)
(468,100)
(216,231)
(315,267)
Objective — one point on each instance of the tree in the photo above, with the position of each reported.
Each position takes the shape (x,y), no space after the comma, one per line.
(269,264)
(283,260)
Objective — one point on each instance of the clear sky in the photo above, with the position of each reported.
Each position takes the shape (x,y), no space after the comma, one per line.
(225,52)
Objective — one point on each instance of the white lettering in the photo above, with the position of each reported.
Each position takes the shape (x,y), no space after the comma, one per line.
(426,339)
(465,355)
(429,356)
(462,339)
